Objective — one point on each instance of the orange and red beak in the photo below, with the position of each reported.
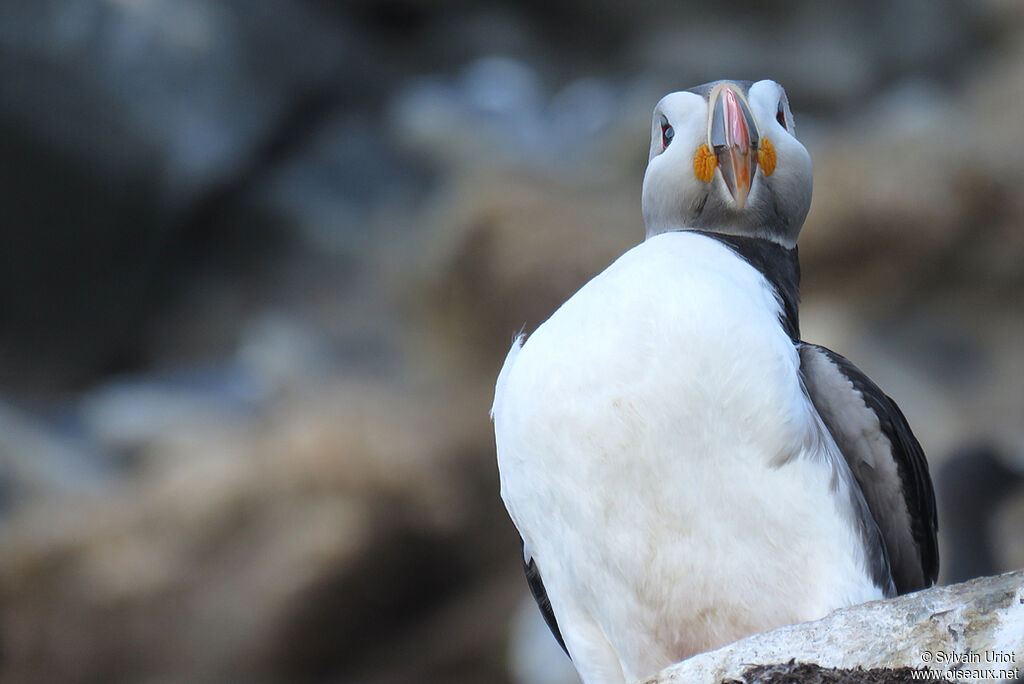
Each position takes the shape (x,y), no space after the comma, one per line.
(733,137)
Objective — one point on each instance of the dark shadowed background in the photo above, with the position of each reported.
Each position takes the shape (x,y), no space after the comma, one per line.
(262,260)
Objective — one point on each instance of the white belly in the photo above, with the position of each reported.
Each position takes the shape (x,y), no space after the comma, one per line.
(666,470)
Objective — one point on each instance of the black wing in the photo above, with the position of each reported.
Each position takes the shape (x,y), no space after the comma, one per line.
(885,458)
(540,595)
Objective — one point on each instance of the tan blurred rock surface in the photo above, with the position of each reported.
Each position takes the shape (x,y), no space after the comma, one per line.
(924,198)
(291,550)
(503,250)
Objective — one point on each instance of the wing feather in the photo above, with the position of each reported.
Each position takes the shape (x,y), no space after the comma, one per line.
(886,460)
(540,595)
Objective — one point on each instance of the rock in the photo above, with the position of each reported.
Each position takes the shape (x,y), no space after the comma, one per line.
(831,62)
(496,113)
(793,673)
(124,67)
(345,526)
(128,415)
(1007,540)
(126,120)
(919,195)
(278,354)
(37,461)
(504,250)
(974,484)
(970,626)
(342,190)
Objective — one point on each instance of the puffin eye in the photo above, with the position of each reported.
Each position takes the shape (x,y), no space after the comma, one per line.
(666,133)
(780,116)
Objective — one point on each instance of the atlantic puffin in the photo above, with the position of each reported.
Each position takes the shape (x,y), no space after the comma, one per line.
(683,469)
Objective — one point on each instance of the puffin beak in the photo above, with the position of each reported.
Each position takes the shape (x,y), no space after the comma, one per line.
(733,137)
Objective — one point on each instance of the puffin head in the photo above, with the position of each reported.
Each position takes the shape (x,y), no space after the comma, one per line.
(724,158)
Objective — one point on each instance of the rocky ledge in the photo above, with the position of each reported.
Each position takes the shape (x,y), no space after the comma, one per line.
(973,631)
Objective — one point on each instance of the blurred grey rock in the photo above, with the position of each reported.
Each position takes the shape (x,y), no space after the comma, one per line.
(285,354)
(974,484)
(484,29)
(497,113)
(279,355)
(37,462)
(491,111)
(343,190)
(195,83)
(1006,529)
(121,120)
(829,56)
(824,56)
(128,415)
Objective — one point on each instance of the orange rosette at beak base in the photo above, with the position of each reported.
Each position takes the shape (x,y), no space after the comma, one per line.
(766,156)
(704,164)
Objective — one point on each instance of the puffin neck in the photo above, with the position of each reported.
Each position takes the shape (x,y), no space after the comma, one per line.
(778,264)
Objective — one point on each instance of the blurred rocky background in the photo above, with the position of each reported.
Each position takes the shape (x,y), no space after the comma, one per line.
(262,260)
